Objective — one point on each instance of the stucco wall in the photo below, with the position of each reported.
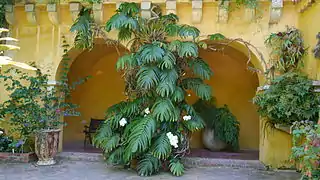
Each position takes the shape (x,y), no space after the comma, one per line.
(42,43)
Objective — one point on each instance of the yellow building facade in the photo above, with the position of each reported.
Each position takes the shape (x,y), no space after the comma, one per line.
(40,27)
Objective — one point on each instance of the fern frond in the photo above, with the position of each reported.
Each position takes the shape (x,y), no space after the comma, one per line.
(148,165)
(201,68)
(124,34)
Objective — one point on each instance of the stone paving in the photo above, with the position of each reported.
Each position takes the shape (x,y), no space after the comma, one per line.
(84,170)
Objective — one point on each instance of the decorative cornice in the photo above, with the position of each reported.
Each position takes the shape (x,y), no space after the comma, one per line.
(275,11)
(97,9)
(146,9)
(30,10)
(197,11)
(223,12)
(53,14)
(171,6)
(10,18)
(74,9)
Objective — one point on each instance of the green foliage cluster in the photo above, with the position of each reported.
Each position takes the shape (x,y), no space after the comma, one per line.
(33,105)
(316,50)
(306,149)
(289,98)
(287,50)
(149,126)
(221,120)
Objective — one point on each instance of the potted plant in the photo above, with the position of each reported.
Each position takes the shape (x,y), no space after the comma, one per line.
(221,126)
(289,98)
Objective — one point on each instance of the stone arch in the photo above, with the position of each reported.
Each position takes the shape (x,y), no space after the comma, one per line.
(235,85)
(99,62)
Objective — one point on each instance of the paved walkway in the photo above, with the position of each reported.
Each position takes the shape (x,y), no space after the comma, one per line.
(81,170)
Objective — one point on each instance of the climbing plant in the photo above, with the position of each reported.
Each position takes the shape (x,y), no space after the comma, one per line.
(151,125)
(286,50)
(316,50)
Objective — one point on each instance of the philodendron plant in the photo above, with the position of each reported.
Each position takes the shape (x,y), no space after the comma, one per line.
(154,124)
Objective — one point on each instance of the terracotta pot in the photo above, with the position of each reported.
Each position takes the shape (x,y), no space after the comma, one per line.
(211,142)
(46,146)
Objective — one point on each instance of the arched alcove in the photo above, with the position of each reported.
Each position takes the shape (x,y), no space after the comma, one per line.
(234,85)
(103,89)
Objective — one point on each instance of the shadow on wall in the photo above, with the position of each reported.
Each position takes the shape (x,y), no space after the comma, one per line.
(235,86)
(98,93)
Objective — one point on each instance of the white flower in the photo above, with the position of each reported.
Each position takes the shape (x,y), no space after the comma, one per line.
(147,111)
(173,139)
(189,95)
(123,122)
(186,118)
(1,132)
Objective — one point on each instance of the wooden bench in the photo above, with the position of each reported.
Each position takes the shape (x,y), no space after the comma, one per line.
(91,129)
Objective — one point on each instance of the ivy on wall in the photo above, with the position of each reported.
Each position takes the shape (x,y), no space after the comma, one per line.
(316,50)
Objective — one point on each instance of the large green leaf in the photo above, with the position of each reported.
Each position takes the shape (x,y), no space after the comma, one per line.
(148,165)
(176,167)
(175,45)
(124,34)
(216,37)
(126,61)
(168,61)
(104,132)
(178,94)
(201,68)
(164,110)
(189,31)
(116,156)
(172,29)
(148,77)
(116,21)
(196,123)
(188,49)
(110,143)
(165,89)
(151,53)
(169,75)
(139,138)
(196,84)
(129,9)
(161,147)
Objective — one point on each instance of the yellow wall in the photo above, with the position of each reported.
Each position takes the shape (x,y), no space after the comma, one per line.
(42,43)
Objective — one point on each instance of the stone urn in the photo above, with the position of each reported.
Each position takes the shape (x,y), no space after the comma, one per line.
(46,146)
(211,142)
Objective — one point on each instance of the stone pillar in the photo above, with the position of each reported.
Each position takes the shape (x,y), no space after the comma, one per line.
(74,8)
(53,14)
(97,9)
(30,10)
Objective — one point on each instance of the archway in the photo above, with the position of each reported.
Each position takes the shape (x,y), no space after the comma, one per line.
(103,89)
(234,85)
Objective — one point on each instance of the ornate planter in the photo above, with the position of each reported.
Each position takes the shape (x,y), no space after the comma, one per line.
(211,142)
(46,146)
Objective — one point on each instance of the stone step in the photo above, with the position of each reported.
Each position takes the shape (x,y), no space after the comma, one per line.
(188,161)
